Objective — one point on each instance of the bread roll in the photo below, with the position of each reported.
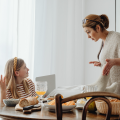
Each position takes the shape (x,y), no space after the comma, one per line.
(18,108)
(28,101)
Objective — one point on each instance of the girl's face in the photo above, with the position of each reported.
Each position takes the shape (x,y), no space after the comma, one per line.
(23,72)
(94,35)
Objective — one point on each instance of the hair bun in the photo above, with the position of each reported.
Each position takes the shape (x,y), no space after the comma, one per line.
(105,20)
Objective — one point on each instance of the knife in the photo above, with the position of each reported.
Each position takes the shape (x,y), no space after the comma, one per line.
(29,109)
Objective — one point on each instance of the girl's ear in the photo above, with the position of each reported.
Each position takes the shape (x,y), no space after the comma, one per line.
(17,73)
(98,28)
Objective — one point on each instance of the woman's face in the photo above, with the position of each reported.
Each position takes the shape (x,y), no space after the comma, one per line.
(23,72)
(94,35)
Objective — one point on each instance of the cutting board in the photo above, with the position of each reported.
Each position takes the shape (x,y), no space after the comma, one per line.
(18,108)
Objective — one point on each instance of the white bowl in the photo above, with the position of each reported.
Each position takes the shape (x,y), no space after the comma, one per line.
(81,103)
(10,102)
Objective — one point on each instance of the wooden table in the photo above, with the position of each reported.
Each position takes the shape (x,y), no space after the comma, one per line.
(9,113)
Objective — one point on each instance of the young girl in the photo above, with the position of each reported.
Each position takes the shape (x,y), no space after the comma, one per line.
(15,84)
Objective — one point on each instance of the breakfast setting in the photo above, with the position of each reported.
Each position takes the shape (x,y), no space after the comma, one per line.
(94,99)
(59,60)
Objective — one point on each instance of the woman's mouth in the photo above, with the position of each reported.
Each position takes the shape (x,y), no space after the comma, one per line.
(92,39)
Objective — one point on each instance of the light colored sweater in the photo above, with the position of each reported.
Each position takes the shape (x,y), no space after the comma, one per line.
(111,50)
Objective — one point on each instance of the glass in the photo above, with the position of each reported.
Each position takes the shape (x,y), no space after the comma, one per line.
(41,88)
(90,88)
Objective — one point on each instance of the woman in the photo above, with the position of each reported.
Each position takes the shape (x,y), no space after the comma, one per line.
(95,26)
(15,84)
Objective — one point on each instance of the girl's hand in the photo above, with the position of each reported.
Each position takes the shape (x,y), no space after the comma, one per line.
(2,84)
(108,66)
(96,63)
(2,89)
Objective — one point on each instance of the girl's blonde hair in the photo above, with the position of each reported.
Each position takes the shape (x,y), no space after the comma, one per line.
(10,77)
(92,20)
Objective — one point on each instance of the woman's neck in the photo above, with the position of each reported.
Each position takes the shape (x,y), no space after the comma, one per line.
(104,35)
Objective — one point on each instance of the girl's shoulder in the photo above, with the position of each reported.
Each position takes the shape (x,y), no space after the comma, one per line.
(29,81)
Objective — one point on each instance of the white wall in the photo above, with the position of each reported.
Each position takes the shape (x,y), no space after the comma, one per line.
(91,48)
(118,15)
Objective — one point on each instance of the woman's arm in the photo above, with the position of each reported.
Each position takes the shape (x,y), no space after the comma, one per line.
(117,61)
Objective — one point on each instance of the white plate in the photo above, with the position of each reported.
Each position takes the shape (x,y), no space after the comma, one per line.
(64,108)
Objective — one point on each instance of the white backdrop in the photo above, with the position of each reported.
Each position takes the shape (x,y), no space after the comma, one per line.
(17,31)
(58,41)
(61,46)
(8,33)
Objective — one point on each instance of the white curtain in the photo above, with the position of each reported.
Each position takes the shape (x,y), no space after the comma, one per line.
(25,36)
(59,45)
(16,31)
(8,31)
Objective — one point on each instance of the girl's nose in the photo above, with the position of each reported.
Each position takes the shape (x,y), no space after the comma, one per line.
(28,69)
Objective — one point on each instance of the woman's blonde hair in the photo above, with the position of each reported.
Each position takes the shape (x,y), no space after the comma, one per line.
(92,20)
(10,77)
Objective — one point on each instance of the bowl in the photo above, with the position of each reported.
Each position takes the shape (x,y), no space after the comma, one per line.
(80,103)
(102,107)
(10,102)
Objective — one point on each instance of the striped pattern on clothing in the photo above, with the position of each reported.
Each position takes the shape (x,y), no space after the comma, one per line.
(21,91)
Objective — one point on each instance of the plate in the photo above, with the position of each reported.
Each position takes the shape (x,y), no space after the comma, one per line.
(10,102)
(64,108)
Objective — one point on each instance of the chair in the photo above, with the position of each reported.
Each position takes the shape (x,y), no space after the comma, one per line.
(94,95)
(50,82)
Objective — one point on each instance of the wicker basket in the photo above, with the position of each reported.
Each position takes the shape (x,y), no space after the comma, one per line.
(102,107)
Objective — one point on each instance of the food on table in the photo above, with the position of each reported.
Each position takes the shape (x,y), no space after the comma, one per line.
(69,103)
(28,101)
(36,97)
(102,106)
(51,98)
(18,108)
(92,106)
(88,98)
(75,100)
(61,96)
(64,104)
(81,101)
(114,100)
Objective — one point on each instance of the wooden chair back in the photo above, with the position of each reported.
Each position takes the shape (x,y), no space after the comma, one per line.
(94,95)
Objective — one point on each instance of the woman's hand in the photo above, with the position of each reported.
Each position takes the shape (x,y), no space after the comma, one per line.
(108,66)
(96,63)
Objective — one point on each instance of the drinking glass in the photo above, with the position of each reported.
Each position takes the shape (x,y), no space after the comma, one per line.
(91,88)
(41,88)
